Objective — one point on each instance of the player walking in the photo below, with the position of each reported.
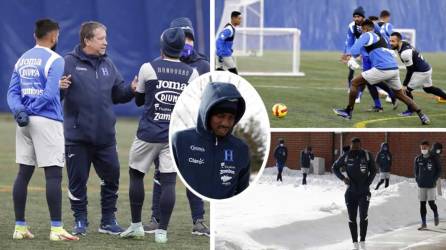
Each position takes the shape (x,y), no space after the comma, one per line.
(281,155)
(384,162)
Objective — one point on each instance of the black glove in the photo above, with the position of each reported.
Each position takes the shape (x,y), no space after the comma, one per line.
(220,59)
(346,181)
(22,118)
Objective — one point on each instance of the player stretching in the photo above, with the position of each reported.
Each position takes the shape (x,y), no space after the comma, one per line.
(34,99)
(384,69)
(419,72)
(224,44)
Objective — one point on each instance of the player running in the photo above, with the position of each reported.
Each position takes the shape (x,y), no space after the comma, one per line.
(34,99)
(354,32)
(419,72)
(384,69)
(166,77)
(224,44)
(361,171)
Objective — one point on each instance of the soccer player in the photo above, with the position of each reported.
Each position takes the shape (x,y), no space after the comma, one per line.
(427,171)
(386,28)
(191,57)
(167,77)
(354,32)
(361,171)
(306,156)
(224,44)
(34,99)
(91,87)
(384,69)
(419,72)
(211,160)
(384,162)
(281,155)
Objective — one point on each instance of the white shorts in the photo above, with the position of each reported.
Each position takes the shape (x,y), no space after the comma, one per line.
(305,170)
(41,143)
(427,194)
(389,77)
(143,154)
(421,80)
(226,62)
(384,175)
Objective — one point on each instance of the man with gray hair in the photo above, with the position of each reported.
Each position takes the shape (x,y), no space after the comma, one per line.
(90,87)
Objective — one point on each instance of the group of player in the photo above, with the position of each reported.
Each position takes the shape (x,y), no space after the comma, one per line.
(84,132)
(374,40)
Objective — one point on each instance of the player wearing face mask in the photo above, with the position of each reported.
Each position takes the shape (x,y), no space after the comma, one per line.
(427,170)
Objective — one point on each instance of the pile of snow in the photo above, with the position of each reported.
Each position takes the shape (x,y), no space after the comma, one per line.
(275,215)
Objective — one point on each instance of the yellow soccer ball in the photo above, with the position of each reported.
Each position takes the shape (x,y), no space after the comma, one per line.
(280,110)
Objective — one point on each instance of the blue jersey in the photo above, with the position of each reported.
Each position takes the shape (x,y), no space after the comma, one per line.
(225,40)
(376,47)
(34,86)
(161,81)
(353,34)
(386,29)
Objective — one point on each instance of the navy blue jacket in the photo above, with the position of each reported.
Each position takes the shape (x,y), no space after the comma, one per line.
(95,86)
(197,61)
(427,170)
(360,168)
(305,159)
(384,158)
(281,154)
(214,167)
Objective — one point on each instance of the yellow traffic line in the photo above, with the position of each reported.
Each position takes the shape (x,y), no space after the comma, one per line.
(363,124)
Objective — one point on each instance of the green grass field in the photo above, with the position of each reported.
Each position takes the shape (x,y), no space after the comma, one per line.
(37,215)
(310,99)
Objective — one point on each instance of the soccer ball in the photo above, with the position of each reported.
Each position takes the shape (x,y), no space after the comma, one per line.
(280,110)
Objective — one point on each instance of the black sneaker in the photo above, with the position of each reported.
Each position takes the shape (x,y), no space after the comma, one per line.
(436,221)
(423,227)
(152,226)
(200,228)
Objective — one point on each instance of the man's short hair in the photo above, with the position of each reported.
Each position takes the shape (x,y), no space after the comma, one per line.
(425,143)
(45,26)
(87,31)
(397,34)
(384,13)
(235,14)
(368,23)
(373,18)
(356,140)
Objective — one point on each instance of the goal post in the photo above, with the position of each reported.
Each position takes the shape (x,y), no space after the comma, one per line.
(267,51)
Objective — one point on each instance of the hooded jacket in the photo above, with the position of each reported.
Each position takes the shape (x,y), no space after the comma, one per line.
(427,170)
(384,158)
(197,61)
(96,85)
(281,154)
(215,167)
(305,158)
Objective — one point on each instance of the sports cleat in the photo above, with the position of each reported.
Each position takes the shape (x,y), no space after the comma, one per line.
(358,100)
(135,231)
(375,109)
(406,113)
(113,228)
(200,228)
(22,232)
(80,227)
(59,234)
(152,226)
(161,236)
(343,113)
(436,221)
(395,105)
(423,227)
(425,119)
(388,99)
(441,100)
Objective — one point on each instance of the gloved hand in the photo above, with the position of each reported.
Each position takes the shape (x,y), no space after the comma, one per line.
(220,59)
(347,181)
(22,118)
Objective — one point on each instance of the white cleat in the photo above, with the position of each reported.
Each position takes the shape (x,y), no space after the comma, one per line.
(161,236)
(59,234)
(135,231)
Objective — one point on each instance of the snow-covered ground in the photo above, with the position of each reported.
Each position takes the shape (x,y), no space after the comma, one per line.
(273,215)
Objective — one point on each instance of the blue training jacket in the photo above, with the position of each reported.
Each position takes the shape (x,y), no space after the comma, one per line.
(380,56)
(96,85)
(34,86)
(225,40)
(214,167)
